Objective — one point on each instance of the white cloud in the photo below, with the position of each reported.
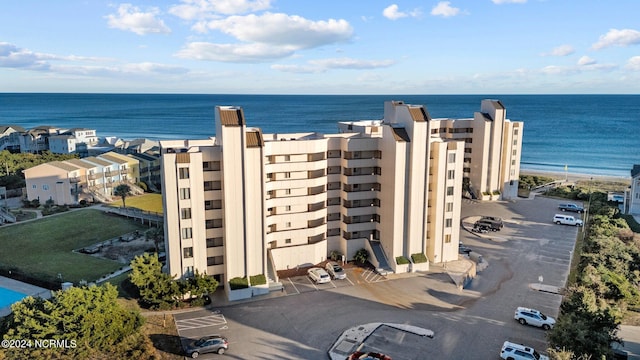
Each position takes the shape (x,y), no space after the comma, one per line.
(562,50)
(242,53)
(266,37)
(204,9)
(12,56)
(391,12)
(323,65)
(131,18)
(633,63)
(585,60)
(509,1)
(444,9)
(615,37)
(284,30)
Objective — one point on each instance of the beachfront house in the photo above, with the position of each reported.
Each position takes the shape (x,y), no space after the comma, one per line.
(10,137)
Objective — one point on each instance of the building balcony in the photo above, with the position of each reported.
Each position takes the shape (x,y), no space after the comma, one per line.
(316,206)
(74,180)
(315,239)
(361,187)
(95,176)
(360,179)
(316,223)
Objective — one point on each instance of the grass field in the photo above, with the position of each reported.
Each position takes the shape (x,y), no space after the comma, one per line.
(146,202)
(43,248)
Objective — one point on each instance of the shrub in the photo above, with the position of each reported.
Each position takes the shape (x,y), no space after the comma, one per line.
(335,255)
(496,192)
(238,283)
(401,260)
(418,258)
(361,256)
(143,186)
(259,279)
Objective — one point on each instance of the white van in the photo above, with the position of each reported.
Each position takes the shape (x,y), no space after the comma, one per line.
(566,220)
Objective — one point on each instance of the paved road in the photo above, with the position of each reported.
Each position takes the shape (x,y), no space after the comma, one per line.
(472,323)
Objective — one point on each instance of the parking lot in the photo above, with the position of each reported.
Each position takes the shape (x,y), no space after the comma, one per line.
(304,321)
(303,284)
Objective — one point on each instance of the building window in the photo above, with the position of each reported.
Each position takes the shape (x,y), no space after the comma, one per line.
(187,252)
(447,238)
(287,241)
(449,190)
(287,175)
(288,224)
(515,142)
(185,213)
(451,174)
(45,187)
(287,208)
(287,158)
(515,131)
(188,271)
(448,222)
(215,242)
(215,260)
(467,150)
(185,193)
(287,191)
(34,186)
(183,173)
(187,233)
(449,207)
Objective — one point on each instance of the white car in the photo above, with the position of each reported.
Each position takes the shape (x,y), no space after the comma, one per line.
(526,316)
(566,220)
(335,270)
(318,275)
(514,351)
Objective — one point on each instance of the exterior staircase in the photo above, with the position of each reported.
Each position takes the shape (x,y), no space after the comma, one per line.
(272,275)
(379,254)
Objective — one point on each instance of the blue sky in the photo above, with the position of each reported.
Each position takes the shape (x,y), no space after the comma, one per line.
(321,47)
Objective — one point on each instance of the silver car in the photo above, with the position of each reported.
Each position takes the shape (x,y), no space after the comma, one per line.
(336,271)
(526,316)
(318,275)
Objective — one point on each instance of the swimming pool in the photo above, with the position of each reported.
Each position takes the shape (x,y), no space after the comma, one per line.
(8,297)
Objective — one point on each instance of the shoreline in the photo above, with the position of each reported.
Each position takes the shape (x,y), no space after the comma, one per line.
(560,175)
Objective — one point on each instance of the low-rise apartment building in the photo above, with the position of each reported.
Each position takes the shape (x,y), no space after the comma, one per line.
(632,194)
(70,181)
(245,203)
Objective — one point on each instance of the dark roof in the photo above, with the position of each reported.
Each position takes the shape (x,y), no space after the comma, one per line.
(17,128)
(400,134)
(487,116)
(635,171)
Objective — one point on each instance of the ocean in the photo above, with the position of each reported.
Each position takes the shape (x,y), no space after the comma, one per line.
(590,134)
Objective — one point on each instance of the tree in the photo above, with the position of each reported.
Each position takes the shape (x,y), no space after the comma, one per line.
(87,321)
(157,235)
(122,190)
(157,289)
(199,285)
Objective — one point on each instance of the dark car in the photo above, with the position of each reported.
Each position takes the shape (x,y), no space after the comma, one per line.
(487,224)
(571,207)
(462,249)
(497,221)
(207,344)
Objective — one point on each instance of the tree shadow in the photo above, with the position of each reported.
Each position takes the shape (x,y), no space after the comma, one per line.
(171,344)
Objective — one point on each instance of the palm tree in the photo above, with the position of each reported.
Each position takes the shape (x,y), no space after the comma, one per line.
(122,190)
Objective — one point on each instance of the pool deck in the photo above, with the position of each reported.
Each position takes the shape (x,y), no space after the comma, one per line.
(24,288)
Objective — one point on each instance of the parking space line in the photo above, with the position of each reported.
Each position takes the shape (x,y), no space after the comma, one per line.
(349,280)
(294,286)
(196,323)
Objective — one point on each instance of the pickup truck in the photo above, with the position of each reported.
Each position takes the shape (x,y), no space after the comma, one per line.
(571,207)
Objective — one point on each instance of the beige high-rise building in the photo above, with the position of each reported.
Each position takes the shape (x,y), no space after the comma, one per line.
(246,203)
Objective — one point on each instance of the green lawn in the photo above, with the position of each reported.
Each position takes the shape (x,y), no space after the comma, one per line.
(43,248)
(146,202)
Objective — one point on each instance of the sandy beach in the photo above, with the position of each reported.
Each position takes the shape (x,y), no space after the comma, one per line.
(573,177)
